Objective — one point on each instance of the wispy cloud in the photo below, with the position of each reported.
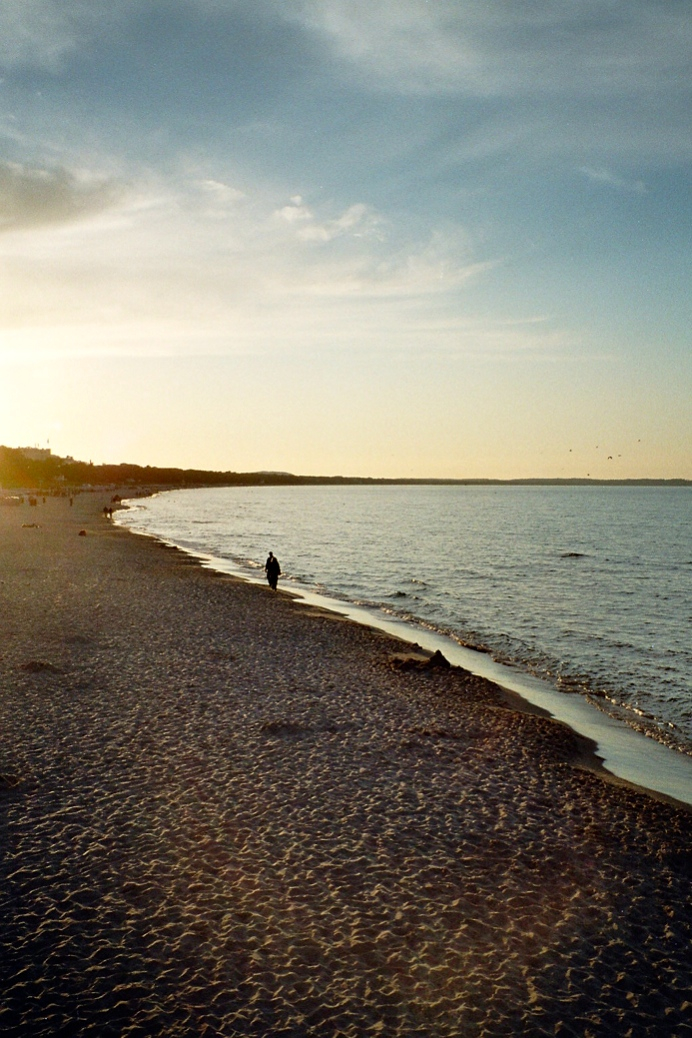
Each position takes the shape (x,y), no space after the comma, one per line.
(414,45)
(567,79)
(34,32)
(157,275)
(224,194)
(43,33)
(610,179)
(358,221)
(565,46)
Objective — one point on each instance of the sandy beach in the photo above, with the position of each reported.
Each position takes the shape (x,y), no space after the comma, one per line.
(222,813)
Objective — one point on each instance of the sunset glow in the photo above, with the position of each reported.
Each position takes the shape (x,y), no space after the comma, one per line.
(392,239)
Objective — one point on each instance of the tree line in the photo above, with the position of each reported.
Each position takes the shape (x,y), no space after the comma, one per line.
(54,473)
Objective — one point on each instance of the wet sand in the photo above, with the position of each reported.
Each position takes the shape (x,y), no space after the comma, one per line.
(225,814)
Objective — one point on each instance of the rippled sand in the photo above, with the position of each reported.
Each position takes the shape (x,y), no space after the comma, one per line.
(223,814)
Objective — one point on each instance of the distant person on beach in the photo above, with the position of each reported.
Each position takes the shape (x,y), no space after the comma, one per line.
(273,570)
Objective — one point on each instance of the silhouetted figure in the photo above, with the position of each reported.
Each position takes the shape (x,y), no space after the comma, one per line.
(273,570)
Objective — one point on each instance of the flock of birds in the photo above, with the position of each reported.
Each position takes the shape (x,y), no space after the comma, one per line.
(609,457)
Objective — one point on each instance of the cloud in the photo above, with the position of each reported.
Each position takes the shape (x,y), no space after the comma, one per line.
(410,46)
(295,211)
(358,221)
(33,197)
(536,82)
(155,275)
(359,254)
(222,193)
(221,199)
(438,83)
(417,272)
(582,46)
(33,32)
(43,33)
(609,179)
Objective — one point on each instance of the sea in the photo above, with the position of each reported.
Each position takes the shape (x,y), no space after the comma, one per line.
(585,590)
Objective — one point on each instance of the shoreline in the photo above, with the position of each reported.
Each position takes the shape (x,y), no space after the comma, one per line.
(626,754)
(227,813)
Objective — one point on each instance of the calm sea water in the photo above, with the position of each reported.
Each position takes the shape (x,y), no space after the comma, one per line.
(589,588)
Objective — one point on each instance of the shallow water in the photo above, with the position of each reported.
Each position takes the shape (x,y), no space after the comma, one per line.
(589,588)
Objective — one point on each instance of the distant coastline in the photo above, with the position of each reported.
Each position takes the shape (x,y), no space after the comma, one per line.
(28,468)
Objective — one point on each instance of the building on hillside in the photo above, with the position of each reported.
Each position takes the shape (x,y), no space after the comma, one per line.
(35,453)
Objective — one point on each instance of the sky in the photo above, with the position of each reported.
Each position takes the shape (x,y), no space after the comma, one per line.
(399,238)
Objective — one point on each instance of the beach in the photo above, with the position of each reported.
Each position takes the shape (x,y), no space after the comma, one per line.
(224,813)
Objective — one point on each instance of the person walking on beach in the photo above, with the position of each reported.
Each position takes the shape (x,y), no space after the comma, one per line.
(273,570)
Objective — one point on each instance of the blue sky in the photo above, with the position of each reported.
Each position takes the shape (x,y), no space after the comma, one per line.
(404,238)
